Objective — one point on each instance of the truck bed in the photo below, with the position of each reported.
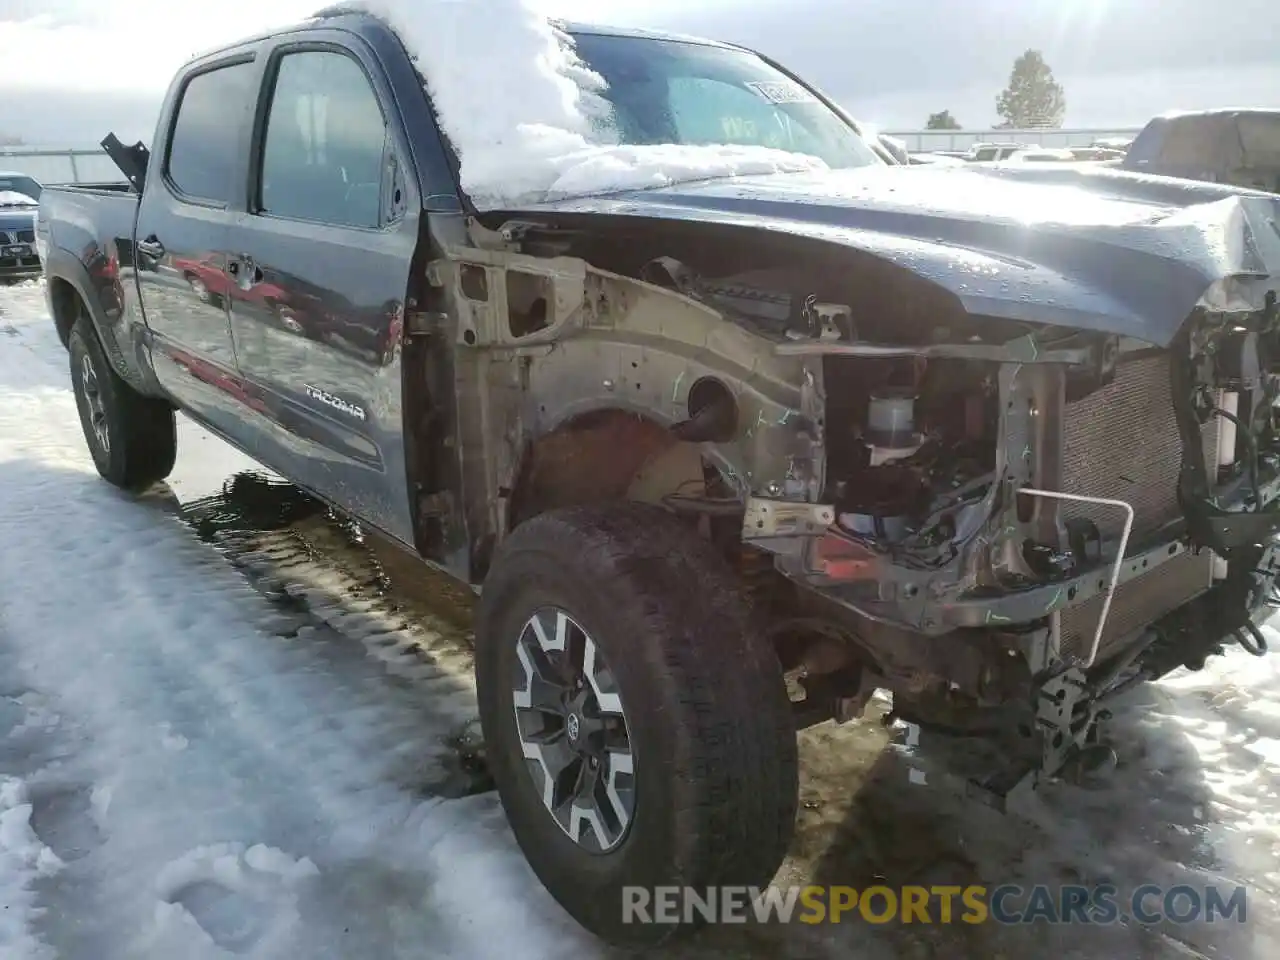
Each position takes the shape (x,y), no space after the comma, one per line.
(113,187)
(87,220)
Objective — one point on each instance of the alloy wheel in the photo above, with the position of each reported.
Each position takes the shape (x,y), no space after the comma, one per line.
(97,409)
(573,731)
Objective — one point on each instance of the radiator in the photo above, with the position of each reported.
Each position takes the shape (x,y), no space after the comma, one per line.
(1121,442)
(1137,603)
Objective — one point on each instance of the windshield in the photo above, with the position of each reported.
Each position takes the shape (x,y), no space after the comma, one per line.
(669,91)
(18,185)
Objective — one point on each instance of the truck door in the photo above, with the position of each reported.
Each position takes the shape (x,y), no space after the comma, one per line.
(320,264)
(181,235)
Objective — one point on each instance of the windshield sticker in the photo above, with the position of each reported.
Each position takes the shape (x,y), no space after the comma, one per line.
(782,91)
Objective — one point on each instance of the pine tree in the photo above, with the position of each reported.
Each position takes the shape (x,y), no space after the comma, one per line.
(1033,98)
(942,121)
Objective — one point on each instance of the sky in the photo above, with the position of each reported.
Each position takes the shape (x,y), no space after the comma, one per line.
(76,68)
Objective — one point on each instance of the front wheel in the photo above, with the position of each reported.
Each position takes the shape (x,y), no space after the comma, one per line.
(636,719)
(132,438)
(199,288)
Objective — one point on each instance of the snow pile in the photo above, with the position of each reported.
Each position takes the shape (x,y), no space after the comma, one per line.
(527,117)
(12,198)
(23,859)
(224,895)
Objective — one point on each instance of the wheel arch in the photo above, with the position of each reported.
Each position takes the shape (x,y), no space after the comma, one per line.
(69,296)
(597,453)
(66,304)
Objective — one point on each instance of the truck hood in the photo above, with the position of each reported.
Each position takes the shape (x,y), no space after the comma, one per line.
(1082,247)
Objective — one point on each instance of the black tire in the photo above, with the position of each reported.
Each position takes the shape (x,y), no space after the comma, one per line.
(710,724)
(141,440)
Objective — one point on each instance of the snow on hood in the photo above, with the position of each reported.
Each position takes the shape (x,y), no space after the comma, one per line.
(525,114)
(12,198)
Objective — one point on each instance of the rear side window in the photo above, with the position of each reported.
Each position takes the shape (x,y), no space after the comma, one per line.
(325,147)
(1190,142)
(1146,146)
(204,148)
(1260,138)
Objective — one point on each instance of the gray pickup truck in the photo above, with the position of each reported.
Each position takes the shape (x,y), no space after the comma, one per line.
(1239,147)
(722,458)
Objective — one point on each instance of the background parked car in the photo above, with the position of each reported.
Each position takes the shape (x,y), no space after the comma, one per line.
(1041,155)
(1096,154)
(1236,147)
(988,152)
(935,159)
(19,201)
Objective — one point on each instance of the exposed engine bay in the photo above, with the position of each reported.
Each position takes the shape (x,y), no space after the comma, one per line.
(1004,523)
(1110,517)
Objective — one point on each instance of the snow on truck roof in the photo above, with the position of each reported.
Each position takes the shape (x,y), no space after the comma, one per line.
(527,117)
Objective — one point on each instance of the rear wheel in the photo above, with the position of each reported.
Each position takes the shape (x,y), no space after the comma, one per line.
(636,719)
(132,438)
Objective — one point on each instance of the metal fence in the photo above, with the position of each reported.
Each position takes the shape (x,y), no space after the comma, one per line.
(918,141)
(61,165)
(92,165)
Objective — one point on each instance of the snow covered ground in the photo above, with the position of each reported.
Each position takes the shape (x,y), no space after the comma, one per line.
(187,772)
(226,738)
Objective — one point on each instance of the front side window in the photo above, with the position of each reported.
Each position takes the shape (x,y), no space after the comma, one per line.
(204,149)
(324,149)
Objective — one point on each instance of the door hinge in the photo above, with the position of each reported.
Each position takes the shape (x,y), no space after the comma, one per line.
(437,273)
(435,504)
(424,323)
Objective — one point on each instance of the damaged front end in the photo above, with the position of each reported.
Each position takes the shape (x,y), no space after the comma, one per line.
(1004,523)
(1068,515)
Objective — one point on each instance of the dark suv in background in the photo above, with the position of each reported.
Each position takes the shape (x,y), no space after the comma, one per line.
(19,201)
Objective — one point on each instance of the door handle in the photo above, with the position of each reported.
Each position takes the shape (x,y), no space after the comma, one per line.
(150,247)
